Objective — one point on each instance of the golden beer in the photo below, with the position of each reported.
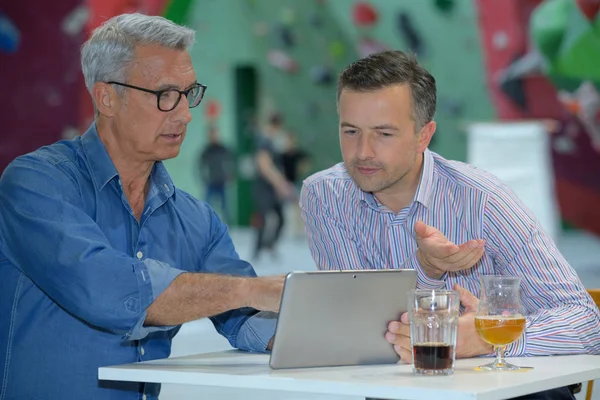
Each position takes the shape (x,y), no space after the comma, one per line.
(499,330)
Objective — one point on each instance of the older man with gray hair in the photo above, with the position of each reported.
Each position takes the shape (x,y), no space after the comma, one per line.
(102,258)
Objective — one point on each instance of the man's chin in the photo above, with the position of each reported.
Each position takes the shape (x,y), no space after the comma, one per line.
(167,155)
(367,186)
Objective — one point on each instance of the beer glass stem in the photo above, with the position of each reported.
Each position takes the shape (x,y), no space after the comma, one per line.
(500,362)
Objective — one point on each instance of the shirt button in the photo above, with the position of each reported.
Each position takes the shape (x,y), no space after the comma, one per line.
(139,255)
(142,351)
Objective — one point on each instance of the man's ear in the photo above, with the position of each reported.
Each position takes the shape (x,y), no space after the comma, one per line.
(425,135)
(105,98)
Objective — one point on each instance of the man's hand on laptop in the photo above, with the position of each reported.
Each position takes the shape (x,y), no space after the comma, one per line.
(468,342)
(437,255)
(264,293)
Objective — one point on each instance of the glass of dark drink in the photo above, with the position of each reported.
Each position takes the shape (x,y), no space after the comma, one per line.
(433,316)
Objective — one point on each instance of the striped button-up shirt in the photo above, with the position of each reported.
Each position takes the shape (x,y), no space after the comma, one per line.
(349,229)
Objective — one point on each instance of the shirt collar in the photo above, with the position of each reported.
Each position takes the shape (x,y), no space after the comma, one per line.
(424,190)
(161,182)
(103,170)
(367,198)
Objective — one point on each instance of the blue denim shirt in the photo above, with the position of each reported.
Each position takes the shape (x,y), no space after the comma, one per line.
(77,272)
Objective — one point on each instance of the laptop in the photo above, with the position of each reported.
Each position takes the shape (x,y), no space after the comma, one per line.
(337,318)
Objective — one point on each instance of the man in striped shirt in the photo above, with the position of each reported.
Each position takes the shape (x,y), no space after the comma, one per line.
(393,203)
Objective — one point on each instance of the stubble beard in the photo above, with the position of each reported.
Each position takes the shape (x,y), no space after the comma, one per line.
(375,184)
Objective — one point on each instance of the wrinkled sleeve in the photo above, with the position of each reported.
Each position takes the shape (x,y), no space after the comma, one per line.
(330,243)
(334,247)
(161,276)
(561,316)
(244,328)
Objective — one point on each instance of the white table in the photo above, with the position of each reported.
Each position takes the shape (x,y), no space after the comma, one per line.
(235,369)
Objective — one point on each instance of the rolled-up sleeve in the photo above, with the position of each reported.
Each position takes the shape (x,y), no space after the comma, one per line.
(257,331)
(245,328)
(159,275)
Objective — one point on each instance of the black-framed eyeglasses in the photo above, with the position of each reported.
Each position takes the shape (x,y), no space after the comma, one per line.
(168,99)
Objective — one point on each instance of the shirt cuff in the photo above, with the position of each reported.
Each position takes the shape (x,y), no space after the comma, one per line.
(157,276)
(257,331)
(423,280)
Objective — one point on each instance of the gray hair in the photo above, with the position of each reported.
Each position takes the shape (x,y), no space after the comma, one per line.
(111,48)
(380,70)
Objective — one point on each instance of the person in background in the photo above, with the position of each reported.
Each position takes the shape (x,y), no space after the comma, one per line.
(271,188)
(216,169)
(102,258)
(295,162)
(393,203)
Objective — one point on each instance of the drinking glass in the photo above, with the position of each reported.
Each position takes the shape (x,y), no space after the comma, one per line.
(500,319)
(433,316)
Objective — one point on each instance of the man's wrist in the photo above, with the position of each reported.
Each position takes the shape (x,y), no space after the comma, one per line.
(489,349)
(246,291)
(431,271)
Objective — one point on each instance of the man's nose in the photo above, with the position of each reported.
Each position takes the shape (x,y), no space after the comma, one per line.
(182,112)
(365,148)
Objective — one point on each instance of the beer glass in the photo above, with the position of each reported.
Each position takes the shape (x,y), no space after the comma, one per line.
(500,319)
(433,316)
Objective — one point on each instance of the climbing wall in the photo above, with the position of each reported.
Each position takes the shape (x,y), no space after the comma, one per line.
(541,58)
(39,98)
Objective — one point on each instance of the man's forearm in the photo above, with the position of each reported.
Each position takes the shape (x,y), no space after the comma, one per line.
(193,296)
